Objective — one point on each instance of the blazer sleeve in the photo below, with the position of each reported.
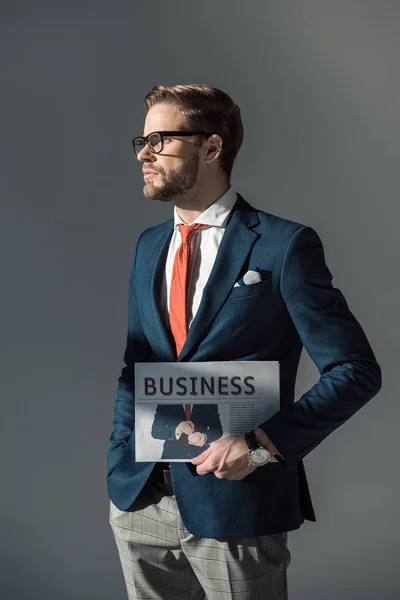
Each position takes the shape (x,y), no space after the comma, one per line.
(166,420)
(349,373)
(137,350)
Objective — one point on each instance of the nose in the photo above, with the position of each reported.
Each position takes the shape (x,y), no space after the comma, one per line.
(141,155)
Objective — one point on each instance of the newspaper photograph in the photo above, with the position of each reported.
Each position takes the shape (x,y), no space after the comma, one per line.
(181,408)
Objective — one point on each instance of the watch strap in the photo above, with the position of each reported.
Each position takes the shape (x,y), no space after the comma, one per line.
(251,440)
(280,459)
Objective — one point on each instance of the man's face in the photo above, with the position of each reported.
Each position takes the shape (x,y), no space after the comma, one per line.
(177,166)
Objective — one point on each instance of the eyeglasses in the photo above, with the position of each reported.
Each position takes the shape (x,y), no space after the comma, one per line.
(156,140)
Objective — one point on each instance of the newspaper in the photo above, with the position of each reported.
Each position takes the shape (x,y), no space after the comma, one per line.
(181,408)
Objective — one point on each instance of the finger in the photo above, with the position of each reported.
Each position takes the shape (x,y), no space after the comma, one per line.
(204,472)
(209,465)
(198,460)
(205,468)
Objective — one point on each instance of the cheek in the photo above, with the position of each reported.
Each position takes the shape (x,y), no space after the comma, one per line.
(166,165)
(171,167)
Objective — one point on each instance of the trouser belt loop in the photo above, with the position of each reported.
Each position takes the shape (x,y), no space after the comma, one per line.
(167,477)
(163,473)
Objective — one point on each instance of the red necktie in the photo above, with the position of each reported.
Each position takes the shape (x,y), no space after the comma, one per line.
(178,292)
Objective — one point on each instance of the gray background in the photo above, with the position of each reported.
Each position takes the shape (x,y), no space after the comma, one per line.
(318,86)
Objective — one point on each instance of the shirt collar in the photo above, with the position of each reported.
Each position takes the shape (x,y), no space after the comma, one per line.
(217,214)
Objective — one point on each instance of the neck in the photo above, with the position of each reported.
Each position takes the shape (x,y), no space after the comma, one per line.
(190,208)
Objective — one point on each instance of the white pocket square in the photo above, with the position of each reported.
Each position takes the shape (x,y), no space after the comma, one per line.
(249,278)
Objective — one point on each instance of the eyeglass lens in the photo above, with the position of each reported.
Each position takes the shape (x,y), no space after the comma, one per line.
(155,143)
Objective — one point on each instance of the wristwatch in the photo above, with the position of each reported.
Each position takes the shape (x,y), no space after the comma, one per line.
(258,455)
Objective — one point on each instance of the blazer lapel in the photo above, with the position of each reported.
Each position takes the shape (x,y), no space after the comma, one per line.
(159,252)
(234,249)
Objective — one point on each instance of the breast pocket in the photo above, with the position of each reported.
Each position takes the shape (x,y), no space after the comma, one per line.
(263,287)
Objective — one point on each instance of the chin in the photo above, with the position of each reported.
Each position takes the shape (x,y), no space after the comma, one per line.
(154,196)
(148,191)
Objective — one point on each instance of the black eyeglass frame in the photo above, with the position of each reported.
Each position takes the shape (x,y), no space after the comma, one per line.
(162,135)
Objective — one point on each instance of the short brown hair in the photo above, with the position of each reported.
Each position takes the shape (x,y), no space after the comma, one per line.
(205,108)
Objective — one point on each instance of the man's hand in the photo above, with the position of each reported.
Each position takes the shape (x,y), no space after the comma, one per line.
(227,459)
(197,439)
(184,427)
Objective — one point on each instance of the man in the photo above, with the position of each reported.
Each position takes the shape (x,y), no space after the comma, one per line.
(217,527)
(186,438)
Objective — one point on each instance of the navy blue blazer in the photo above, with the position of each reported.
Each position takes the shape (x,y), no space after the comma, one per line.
(295,305)
(205,418)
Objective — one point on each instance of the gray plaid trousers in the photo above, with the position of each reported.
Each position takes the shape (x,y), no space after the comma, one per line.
(160,559)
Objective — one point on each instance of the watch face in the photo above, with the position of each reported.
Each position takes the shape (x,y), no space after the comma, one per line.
(259,456)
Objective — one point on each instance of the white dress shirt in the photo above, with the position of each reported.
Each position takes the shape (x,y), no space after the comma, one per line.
(204,246)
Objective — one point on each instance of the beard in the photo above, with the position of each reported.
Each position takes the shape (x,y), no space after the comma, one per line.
(174,186)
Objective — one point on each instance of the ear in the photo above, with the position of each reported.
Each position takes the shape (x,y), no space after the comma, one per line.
(214,146)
